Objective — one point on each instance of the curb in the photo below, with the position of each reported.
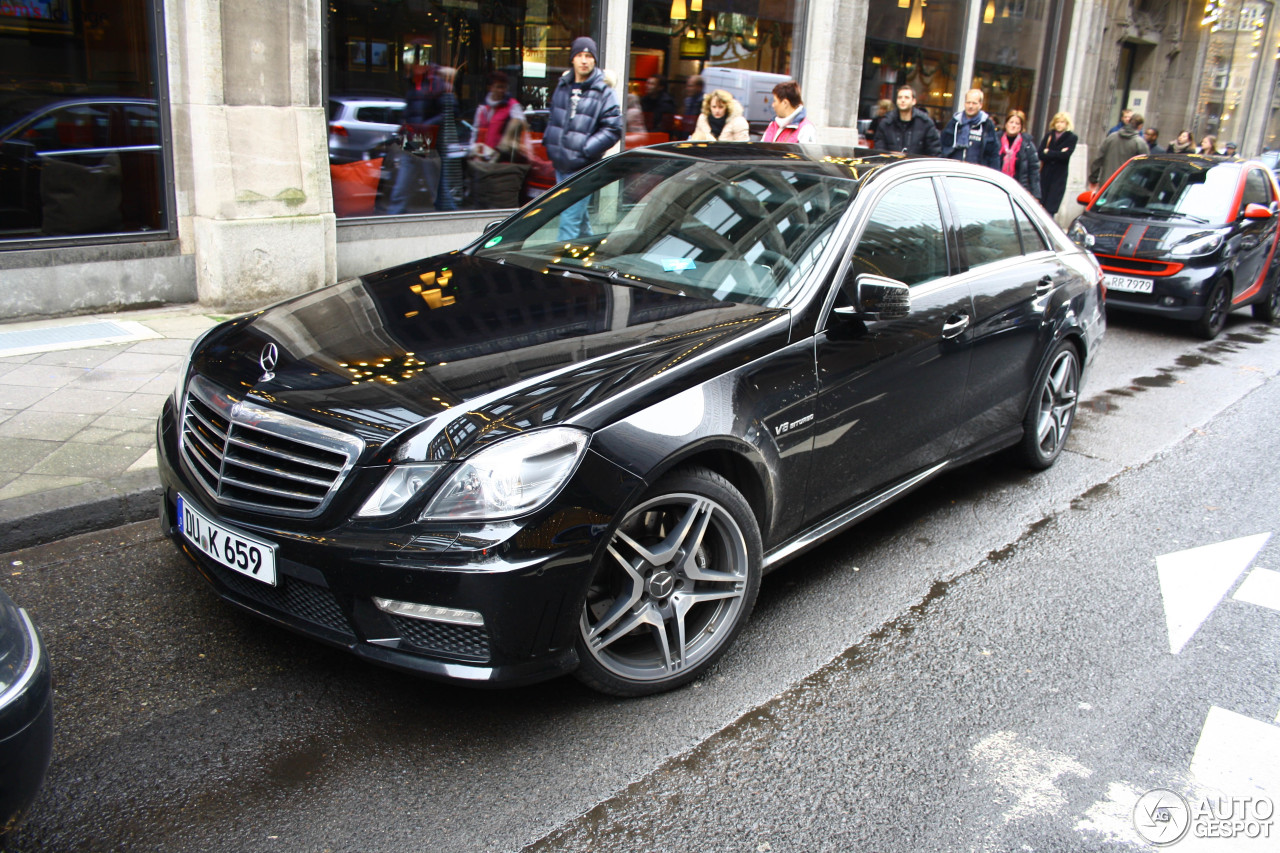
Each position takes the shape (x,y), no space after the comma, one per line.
(45,517)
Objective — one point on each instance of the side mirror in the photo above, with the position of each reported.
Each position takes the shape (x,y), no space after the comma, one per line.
(878,297)
(1257,211)
(1086,198)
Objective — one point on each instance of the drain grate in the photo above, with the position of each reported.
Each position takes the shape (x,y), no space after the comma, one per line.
(74,336)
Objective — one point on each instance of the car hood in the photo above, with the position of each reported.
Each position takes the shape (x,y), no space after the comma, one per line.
(478,348)
(1138,236)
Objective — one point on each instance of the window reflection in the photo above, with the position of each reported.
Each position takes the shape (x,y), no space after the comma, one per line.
(441,107)
(80,134)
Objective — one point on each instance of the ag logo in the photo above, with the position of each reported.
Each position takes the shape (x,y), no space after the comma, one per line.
(1161,816)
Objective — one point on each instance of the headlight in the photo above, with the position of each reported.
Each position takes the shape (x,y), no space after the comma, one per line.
(1080,235)
(513,477)
(396,489)
(180,386)
(1202,243)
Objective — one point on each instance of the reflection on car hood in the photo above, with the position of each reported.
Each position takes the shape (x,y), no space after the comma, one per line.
(1138,236)
(482,347)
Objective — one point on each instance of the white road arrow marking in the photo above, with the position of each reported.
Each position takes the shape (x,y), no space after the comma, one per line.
(1237,755)
(1261,587)
(1193,582)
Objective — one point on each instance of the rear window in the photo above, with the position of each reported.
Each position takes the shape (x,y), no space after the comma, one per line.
(1174,189)
(380,114)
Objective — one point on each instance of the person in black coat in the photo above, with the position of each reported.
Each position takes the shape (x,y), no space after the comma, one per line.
(1056,148)
(1018,157)
(908,129)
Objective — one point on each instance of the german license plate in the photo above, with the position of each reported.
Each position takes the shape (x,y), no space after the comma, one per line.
(227,547)
(1128,283)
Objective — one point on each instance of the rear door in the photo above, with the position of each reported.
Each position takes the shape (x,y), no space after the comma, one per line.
(1012,275)
(889,391)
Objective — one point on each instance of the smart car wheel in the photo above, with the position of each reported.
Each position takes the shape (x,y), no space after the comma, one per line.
(1052,409)
(1268,310)
(1216,308)
(678,580)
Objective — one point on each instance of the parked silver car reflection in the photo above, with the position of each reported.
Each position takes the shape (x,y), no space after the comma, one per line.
(359,124)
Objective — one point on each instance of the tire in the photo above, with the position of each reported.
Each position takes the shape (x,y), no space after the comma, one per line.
(677,582)
(1268,310)
(1052,409)
(1216,309)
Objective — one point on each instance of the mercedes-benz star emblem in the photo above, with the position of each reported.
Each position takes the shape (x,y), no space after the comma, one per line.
(661,584)
(267,360)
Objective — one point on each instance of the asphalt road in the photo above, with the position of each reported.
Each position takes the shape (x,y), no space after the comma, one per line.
(985,665)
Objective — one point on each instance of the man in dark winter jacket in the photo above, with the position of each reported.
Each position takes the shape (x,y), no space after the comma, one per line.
(585,122)
(909,130)
(1116,150)
(971,135)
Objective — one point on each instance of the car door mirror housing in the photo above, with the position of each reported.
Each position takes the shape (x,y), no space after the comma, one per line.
(1257,211)
(1086,198)
(878,297)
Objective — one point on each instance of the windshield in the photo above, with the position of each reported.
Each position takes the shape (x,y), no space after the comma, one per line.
(733,231)
(1186,189)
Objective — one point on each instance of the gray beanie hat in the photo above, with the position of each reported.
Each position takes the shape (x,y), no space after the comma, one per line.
(584,44)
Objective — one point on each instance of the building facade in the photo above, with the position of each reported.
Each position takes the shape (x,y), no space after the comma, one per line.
(232,152)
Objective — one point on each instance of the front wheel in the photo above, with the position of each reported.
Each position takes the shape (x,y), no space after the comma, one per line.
(1052,410)
(678,580)
(1216,309)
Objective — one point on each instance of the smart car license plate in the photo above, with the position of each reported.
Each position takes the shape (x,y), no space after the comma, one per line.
(231,548)
(1129,284)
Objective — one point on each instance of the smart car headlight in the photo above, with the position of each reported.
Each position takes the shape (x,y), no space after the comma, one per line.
(1080,235)
(515,476)
(1200,243)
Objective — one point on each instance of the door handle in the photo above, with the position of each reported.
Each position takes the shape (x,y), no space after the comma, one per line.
(953,327)
(1044,285)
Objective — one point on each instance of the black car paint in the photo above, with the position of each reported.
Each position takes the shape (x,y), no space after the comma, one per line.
(26,716)
(772,410)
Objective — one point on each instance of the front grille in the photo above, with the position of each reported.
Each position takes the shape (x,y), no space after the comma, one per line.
(251,457)
(462,642)
(1115,263)
(294,597)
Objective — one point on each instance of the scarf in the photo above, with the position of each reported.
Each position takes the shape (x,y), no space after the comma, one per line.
(1009,153)
(717,124)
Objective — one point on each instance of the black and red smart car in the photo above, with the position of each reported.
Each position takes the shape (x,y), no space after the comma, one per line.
(1186,237)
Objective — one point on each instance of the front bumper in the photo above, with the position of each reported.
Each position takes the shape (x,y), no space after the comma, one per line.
(526,579)
(1181,296)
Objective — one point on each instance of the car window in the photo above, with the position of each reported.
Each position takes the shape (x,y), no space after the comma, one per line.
(988,229)
(903,237)
(380,114)
(1257,190)
(1189,189)
(70,128)
(1032,239)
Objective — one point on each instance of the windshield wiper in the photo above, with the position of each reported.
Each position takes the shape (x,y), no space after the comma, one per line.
(612,276)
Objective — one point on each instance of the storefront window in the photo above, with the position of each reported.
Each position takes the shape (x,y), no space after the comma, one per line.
(683,49)
(1011,42)
(407,81)
(1236,31)
(80,141)
(916,45)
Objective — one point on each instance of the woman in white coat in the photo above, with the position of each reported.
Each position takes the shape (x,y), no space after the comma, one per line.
(721,120)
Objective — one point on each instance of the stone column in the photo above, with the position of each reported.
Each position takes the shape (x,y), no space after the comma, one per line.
(831,69)
(254,201)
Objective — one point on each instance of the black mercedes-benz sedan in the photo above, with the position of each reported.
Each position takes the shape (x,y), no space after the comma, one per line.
(1186,237)
(577,446)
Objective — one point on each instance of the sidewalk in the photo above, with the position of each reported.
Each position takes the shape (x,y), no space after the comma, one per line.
(79,398)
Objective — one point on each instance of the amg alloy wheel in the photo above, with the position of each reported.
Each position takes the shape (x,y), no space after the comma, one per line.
(678,580)
(1052,410)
